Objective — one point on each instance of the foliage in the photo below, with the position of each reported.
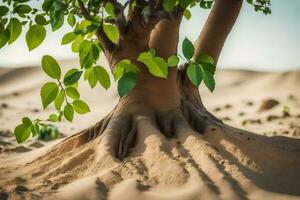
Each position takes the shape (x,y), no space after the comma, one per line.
(48,132)
(87,18)
(35,128)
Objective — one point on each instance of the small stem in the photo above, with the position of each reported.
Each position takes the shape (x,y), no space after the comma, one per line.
(64,91)
(41,120)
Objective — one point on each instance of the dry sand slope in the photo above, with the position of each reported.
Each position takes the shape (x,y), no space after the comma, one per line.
(231,164)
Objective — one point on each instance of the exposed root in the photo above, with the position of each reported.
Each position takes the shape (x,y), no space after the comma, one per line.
(122,128)
(127,136)
(191,101)
(192,115)
(154,148)
(167,122)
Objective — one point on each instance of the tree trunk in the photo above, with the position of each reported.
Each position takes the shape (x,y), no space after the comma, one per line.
(159,124)
(155,104)
(166,104)
(217,27)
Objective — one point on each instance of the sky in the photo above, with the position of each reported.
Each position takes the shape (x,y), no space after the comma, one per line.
(257,41)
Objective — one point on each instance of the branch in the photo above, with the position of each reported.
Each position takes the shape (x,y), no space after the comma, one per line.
(152,4)
(165,36)
(217,27)
(120,18)
(164,39)
(136,28)
(85,13)
(101,35)
(157,13)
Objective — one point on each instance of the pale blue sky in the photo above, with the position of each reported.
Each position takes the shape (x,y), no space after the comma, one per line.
(257,41)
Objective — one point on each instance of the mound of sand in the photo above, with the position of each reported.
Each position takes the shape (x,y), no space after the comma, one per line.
(224,163)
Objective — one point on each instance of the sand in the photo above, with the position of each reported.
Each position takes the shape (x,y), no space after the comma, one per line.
(261,161)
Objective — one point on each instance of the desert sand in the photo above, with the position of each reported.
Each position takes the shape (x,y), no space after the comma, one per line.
(259,160)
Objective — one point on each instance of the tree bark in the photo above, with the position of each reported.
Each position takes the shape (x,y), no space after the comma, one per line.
(211,41)
(217,27)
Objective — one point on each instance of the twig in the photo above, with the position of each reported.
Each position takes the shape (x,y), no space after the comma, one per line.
(85,13)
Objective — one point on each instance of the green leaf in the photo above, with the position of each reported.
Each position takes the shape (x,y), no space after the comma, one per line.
(188,49)
(208,79)
(207,62)
(206,4)
(109,8)
(118,72)
(111,32)
(92,77)
(209,67)
(187,14)
(68,38)
(69,112)
(185,3)
(81,107)
(47,5)
(194,74)
(88,54)
(22,133)
(72,76)
(40,20)
(57,15)
(132,68)
(73,93)
(173,61)
(126,83)
(83,24)
(169,5)
(22,8)
(87,73)
(3,10)
(160,69)
(53,118)
(48,93)
(204,58)
(156,65)
(60,114)
(4,37)
(35,129)
(145,56)
(51,67)
(59,100)
(102,76)
(26,121)
(71,19)
(123,66)
(35,36)
(76,44)
(15,28)
(152,51)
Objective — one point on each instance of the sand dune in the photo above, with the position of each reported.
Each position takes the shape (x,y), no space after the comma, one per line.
(262,161)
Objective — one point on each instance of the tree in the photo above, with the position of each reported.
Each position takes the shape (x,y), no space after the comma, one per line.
(139,39)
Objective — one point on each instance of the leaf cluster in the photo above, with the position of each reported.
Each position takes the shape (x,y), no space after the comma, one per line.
(201,68)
